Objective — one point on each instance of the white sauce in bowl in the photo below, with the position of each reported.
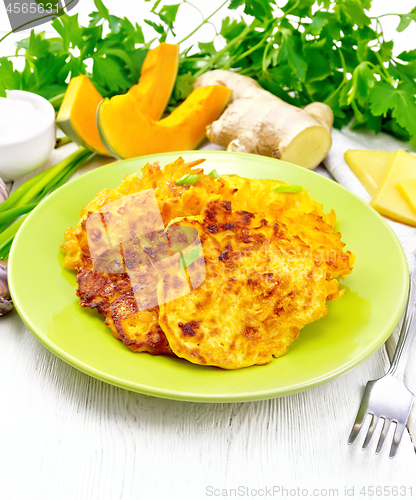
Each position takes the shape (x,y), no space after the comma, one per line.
(18,120)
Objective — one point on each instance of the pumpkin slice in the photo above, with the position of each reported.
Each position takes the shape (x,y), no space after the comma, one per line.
(157,79)
(127,132)
(77,115)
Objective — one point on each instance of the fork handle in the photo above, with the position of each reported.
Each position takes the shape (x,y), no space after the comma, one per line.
(407,333)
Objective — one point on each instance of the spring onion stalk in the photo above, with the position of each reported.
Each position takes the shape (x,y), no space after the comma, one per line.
(62,141)
(50,174)
(9,216)
(4,253)
(64,175)
(214,174)
(20,191)
(57,100)
(21,201)
(188,180)
(72,170)
(8,234)
(15,209)
(47,189)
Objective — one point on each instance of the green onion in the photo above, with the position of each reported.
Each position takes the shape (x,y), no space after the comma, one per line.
(189,258)
(288,189)
(188,180)
(214,174)
(34,190)
(4,252)
(51,174)
(20,191)
(52,183)
(57,101)
(8,216)
(71,171)
(62,141)
(7,236)
(64,175)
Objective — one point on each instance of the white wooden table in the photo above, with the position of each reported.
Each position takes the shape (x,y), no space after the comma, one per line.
(65,435)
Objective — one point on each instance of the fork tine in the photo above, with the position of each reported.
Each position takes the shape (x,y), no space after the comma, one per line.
(370,432)
(362,413)
(398,434)
(383,435)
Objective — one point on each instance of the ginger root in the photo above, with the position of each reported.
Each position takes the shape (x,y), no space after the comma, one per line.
(256,121)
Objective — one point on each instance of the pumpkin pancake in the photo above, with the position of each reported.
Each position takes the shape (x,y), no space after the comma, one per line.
(115,294)
(262,267)
(263,284)
(132,316)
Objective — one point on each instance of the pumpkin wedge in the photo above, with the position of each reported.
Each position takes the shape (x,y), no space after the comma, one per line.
(127,132)
(157,79)
(77,115)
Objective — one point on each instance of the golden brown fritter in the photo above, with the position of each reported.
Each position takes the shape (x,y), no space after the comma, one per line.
(136,327)
(113,295)
(302,215)
(173,201)
(128,295)
(258,196)
(263,285)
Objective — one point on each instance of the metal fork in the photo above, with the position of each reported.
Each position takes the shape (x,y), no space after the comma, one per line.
(388,398)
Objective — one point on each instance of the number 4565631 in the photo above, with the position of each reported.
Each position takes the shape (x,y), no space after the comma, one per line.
(33,8)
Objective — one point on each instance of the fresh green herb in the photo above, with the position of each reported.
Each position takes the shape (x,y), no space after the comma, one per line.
(20,191)
(29,194)
(214,174)
(189,258)
(10,215)
(288,189)
(57,101)
(50,175)
(7,236)
(62,141)
(4,252)
(300,50)
(188,180)
(184,85)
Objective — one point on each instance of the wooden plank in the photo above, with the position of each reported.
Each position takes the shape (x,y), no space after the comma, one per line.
(66,435)
(77,437)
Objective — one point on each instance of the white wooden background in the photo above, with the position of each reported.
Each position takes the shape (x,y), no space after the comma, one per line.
(65,435)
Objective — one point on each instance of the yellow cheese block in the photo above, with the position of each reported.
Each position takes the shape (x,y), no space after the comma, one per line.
(407,189)
(387,199)
(369,166)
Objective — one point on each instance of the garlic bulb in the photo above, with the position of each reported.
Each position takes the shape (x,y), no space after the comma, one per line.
(6,304)
(3,191)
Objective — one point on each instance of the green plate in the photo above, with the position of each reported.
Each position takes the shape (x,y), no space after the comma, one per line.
(43,291)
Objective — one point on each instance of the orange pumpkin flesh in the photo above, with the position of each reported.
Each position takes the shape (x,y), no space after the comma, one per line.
(157,79)
(128,133)
(77,115)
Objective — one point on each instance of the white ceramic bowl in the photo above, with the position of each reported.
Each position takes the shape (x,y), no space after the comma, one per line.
(19,157)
